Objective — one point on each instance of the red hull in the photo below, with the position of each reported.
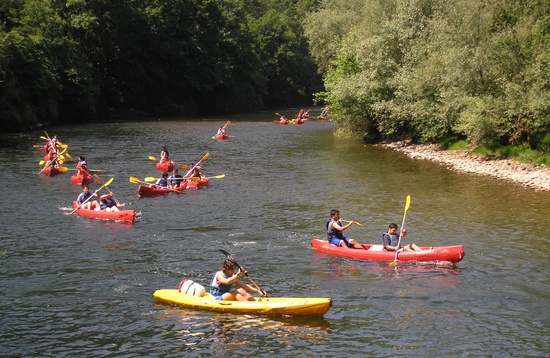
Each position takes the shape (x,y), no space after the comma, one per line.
(165,167)
(222,136)
(81,179)
(144,190)
(439,254)
(51,171)
(283,123)
(123,215)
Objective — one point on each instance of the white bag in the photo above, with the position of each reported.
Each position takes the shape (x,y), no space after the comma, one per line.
(190,287)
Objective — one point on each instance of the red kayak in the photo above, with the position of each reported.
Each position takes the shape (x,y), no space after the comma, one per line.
(122,215)
(165,166)
(437,254)
(81,179)
(51,171)
(222,136)
(195,184)
(145,190)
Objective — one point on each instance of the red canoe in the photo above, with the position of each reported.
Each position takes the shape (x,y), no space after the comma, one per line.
(165,166)
(145,190)
(51,171)
(222,136)
(122,215)
(81,179)
(439,254)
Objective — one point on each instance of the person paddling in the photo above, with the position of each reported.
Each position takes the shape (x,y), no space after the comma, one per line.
(223,280)
(335,232)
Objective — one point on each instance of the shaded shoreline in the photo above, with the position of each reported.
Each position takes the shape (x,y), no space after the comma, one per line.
(527,175)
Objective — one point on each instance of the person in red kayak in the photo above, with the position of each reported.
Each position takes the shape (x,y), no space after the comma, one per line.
(222,281)
(390,240)
(85,199)
(335,232)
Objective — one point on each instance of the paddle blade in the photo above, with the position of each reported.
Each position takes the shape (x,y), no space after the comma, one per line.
(63,169)
(134,180)
(277,114)
(204,158)
(227,123)
(194,179)
(44,138)
(182,166)
(99,170)
(408,203)
(41,162)
(152,158)
(219,176)
(109,181)
(150,179)
(36,146)
(70,157)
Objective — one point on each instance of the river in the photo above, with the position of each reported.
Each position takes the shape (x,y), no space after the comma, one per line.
(73,286)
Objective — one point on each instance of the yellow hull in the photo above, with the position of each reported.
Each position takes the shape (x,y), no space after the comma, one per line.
(267,306)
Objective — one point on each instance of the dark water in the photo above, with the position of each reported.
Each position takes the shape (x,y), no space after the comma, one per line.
(73,286)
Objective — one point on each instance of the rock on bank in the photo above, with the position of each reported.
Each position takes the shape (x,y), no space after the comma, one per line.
(535,177)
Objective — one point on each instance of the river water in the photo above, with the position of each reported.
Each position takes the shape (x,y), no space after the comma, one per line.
(73,286)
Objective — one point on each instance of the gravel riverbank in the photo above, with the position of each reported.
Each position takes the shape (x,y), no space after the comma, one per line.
(534,177)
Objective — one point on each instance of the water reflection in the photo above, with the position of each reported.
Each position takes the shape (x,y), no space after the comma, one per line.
(230,334)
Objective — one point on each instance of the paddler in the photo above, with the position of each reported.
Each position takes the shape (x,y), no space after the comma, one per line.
(223,280)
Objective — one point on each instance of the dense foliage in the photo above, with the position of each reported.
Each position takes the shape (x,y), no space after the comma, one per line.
(75,60)
(434,69)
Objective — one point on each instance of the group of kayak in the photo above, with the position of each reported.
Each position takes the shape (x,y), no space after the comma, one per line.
(220,296)
(301,117)
(88,204)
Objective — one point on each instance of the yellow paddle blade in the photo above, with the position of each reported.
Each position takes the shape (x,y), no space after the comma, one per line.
(205,156)
(277,114)
(150,179)
(219,176)
(99,170)
(44,138)
(63,169)
(182,166)
(108,182)
(46,133)
(64,146)
(69,156)
(41,162)
(408,203)
(152,158)
(227,123)
(36,146)
(134,180)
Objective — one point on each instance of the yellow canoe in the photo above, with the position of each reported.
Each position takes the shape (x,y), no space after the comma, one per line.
(267,306)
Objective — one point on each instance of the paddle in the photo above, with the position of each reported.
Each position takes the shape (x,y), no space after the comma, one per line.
(407,204)
(214,177)
(262,292)
(91,196)
(351,221)
(197,163)
(225,125)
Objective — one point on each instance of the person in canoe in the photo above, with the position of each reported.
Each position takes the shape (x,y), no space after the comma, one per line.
(195,172)
(161,182)
(221,131)
(175,179)
(390,240)
(108,203)
(165,156)
(85,197)
(335,232)
(223,280)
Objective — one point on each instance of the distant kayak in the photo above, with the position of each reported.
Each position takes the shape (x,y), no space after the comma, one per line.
(222,136)
(288,306)
(437,254)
